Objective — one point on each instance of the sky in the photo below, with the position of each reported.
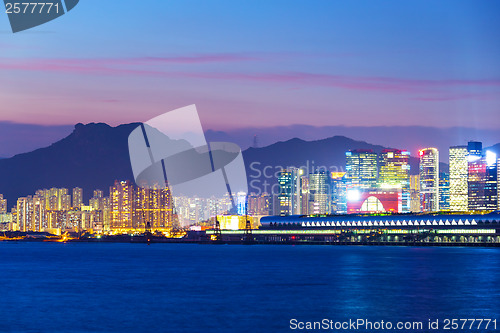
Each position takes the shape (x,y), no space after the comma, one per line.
(258,63)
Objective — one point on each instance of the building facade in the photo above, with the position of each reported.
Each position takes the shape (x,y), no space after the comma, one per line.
(458,179)
(361,169)
(289,198)
(429,180)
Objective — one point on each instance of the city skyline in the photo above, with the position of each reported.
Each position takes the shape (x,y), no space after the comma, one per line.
(372,183)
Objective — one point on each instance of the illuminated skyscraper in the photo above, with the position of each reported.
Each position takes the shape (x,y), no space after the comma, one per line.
(289,196)
(429,180)
(339,193)
(77,197)
(444,191)
(319,193)
(414,193)
(38,222)
(241,203)
(394,172)
(361,169)
(482,180)
(304,195)
(498,183)
(23,212)
(121,205)
(491,184)
(458,179)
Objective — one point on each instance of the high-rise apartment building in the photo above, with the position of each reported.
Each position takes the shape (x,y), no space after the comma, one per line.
(259,204)
(458,179)
(121,196)
(361,169)
(3,205)
(429,180)
(152,207)
(23,213)
(77,197)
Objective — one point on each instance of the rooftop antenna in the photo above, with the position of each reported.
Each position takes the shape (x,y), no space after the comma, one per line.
(255,142)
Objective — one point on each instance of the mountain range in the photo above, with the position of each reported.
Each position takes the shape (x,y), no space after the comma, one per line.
(93,156)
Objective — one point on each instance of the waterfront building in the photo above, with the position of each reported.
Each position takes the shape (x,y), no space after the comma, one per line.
(361,169)
(374,201)
(237,222)
(377,228)
(429,180)
(458,179)
(290,191)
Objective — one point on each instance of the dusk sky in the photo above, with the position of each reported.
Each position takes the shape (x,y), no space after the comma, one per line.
(258,63)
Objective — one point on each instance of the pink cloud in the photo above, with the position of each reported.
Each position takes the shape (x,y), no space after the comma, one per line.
(141,67)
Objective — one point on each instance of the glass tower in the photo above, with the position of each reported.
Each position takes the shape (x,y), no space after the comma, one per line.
(429,180)
(361,169)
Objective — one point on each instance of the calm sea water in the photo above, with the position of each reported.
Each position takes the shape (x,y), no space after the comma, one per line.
(84,287)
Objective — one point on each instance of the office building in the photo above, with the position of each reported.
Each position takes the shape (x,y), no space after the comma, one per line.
(394,173)
(241,203)
(289,198)
(319,193)
(458,179)
(339,193)
(429,180)
(415,193)
(361,169)
(444,191)
(482,178)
